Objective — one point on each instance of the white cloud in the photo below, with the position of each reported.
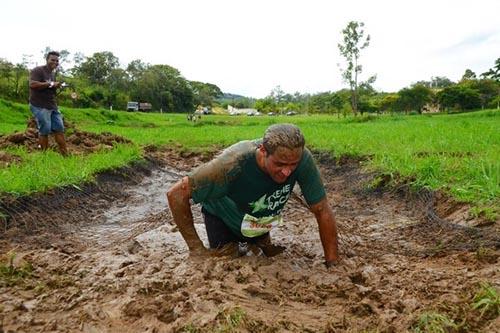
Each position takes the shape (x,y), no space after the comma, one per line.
(249,47)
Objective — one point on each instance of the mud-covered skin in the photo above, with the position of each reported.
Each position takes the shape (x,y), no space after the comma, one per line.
(178,200)
(137,277)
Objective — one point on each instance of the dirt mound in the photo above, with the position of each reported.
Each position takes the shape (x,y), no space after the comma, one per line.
(6,159)
(177,157)
(78,142)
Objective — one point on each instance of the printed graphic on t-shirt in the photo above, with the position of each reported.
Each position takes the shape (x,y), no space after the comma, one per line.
(276,199)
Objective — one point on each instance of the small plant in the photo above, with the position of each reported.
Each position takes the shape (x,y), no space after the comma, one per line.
(189,328)
(488,213)
(230,319)
(486,254)
(487,301)
(433,322)
(380,182)
(10,274)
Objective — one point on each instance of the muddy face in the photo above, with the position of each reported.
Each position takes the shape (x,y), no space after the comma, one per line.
(280,165)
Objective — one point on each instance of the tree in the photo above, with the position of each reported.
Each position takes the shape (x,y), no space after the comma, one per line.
(136,68)
(97,68)
(494,72)
(326,102)
(165,88)
(204,93)
(441,82)
(389,103)
(266,105)
(277,94)
(354,41)
(414,98)
(488,89)
(468,75)
(459,96)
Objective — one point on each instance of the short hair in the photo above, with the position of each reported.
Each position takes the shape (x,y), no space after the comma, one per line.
(283,135)
(54,53)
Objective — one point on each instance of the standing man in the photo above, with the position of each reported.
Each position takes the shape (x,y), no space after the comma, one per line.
(43,106)
(244,190)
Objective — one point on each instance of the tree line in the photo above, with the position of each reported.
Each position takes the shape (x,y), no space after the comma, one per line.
(98,81)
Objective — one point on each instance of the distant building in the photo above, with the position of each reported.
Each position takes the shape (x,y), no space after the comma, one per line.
(235,111)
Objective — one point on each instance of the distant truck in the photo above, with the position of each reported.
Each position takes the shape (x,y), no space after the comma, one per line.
(136,106)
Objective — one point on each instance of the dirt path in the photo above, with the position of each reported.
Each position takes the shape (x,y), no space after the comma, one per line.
(112,261)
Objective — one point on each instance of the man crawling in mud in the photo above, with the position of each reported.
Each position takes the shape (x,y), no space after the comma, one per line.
(244,190)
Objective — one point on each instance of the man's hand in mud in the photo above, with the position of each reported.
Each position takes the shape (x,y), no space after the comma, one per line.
(331,263)
(200,252)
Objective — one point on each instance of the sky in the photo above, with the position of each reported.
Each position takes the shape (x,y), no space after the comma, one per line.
(251,47)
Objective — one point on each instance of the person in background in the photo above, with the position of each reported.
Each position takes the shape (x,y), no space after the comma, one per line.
(43,106)
(244,190)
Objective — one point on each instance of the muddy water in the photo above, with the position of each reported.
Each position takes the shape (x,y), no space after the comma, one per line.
(126,268)
(133,211)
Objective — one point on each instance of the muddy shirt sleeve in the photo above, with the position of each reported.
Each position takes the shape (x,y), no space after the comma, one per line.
(212,180)
(309,180)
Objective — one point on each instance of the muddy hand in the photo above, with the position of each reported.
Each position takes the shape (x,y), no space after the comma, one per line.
(331,263)
(228,250)
(200,252)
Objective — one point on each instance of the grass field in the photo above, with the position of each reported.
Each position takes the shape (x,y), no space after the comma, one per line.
(458,154)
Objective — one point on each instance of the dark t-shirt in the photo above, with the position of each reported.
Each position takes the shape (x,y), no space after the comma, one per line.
(44,97)
(232,186)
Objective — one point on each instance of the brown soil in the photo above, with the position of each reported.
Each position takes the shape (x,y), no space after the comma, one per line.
(106,257)
(78,142)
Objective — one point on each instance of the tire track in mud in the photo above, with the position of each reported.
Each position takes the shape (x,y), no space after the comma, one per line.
(126,266)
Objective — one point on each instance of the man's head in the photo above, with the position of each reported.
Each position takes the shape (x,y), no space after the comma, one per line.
(282,149)
(52,59)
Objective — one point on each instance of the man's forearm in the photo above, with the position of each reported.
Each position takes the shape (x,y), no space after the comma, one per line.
(327,230)
(178,200)
(39,85)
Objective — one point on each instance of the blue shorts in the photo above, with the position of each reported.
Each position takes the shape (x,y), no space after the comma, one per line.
(47,120)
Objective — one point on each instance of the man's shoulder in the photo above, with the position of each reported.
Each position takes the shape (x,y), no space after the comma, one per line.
(39,72)
(38,69)
(307,156)
(227,164)
(241,149)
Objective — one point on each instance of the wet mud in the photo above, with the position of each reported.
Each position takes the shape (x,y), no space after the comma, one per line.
(106,257)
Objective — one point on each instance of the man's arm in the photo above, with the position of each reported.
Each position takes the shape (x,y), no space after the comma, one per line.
(36,81)
(178,199)
(327,231)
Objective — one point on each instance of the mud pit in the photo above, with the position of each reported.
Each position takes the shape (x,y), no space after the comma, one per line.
(112,261)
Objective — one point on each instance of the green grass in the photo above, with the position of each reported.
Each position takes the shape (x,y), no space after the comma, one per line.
(11,274)
(458,154)
(42,171)
(433,322)
(487,301)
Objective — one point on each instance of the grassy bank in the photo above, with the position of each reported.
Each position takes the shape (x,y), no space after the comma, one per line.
(455,153)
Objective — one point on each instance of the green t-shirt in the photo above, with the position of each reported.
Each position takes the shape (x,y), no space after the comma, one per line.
(233,187)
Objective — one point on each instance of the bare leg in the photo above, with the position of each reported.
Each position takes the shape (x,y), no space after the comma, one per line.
(43,140)
(61,142)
